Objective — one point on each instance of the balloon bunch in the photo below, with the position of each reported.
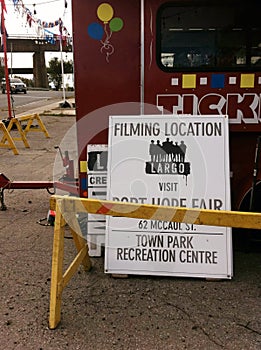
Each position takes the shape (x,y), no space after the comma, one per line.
(103,33)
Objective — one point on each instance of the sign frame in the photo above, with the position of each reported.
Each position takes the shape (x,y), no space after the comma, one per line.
(194,175)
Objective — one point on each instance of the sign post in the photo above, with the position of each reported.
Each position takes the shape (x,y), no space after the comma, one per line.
(178,161)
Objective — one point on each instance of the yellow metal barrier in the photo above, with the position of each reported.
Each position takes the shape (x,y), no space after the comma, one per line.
(67,207)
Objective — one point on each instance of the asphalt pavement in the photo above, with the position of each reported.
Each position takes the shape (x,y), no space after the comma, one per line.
(100,312)
(34,101)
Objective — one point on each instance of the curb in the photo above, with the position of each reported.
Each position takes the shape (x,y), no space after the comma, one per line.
(54,109)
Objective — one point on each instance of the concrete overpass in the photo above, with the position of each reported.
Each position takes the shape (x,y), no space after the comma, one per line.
(38,46)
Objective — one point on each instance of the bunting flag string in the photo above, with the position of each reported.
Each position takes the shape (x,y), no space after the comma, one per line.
(53,38)
(40,25)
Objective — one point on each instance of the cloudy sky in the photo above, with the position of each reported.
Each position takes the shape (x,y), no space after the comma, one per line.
(17,23)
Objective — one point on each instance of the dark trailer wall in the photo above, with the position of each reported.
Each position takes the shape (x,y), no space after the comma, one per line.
(107,68)
(136,65)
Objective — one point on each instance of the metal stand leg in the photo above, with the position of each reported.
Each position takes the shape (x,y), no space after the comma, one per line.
(2,202)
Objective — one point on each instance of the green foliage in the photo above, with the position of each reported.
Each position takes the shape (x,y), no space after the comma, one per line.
(55,71)
(28,82)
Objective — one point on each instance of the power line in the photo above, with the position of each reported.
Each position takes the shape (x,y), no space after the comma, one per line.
(35,4)
(39,3)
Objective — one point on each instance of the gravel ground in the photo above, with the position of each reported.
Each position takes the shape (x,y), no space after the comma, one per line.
(99,311)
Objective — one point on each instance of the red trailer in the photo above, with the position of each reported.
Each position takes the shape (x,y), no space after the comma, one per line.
(182,57)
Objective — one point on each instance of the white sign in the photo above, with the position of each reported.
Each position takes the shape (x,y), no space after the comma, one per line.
(172,161)
(97,188)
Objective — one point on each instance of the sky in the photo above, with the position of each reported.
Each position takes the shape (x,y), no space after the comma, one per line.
(16,23)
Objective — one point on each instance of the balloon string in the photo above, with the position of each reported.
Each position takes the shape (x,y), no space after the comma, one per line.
(108,35)
(107,57)
(108,48)
(106,45)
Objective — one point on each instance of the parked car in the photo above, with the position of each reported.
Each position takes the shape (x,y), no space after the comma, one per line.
(16,85)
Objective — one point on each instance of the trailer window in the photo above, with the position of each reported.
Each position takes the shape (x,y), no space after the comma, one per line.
(203,36)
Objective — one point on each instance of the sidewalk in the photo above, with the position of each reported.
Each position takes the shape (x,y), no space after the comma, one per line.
(54,108)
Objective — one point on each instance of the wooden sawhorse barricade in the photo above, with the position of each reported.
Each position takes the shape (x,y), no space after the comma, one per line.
(67,207)
(7,141)
(29,120)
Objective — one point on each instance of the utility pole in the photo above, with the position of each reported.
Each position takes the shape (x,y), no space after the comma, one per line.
(3,31)
(64,104)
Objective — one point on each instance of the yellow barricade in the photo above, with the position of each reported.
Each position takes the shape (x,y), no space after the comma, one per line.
(16,123)
(6,140)
(67,207)
(29,120)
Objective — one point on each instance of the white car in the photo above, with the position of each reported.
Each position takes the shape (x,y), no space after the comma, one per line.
(16,85)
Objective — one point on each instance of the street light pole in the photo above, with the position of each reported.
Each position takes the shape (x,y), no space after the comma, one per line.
(64,104)
(62,67)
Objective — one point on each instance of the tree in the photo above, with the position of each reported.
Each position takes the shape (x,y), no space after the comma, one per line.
(55,71)
(2,72)
(28,82)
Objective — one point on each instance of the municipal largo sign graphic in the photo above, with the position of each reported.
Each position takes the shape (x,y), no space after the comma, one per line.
(171,161)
